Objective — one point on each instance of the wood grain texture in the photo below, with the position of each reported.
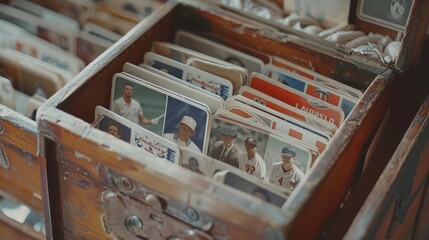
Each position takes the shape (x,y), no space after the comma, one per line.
(22,178)
(12,230)
(18,130)
(422,231)
(18,141)
(407,163)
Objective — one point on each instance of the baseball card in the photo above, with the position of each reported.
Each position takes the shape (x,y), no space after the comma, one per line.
(250,121)
(51,31)
(168,91)
(209,167)
(196,162)
(211,48)
(162,112)
(311,88)
(392,14)
(265,58)
(26,75)
(7,93)
(229,143)
(329,13)
(244,114)
(45,13)
(19,39)
(136,135)
(187,56)
(21,100)
(109,22)
(32,105)
(89,46)
(227,116)
(276,114)
(286,125)
(62,75)
(297,99)
(204,80)
(231,74)
(101,32)
(319,78)
(140,8)
(303,156)
(286,109)
(259,191)
(246,123)
(162,79)
(76,9)
(119,13)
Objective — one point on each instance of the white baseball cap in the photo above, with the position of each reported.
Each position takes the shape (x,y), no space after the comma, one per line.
(189,121)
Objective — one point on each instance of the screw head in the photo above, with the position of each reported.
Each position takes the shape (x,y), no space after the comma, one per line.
(133,224)
(126,183)
(191,214)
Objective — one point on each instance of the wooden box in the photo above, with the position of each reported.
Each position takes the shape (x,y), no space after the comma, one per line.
(397,206)
(19,169)
(84,171)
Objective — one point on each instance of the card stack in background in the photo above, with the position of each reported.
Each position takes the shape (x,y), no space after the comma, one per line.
(45,44)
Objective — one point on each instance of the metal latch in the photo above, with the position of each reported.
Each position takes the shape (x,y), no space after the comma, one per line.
(178,210)
(127,218)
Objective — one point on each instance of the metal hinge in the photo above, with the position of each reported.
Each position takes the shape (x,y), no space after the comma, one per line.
(127,218)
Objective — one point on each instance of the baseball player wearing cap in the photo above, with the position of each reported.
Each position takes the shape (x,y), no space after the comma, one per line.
(183,136)
(193,165)
(129,108)
(250,161)
(226,150)
(285,173)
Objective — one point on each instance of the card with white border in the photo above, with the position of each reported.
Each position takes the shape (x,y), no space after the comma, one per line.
(167,81)
(222,130)
(19,39)
(26,75)
(297,99)
(311,88)
(46,29)
(7,93)
(202,79)
(183,54)
(136,135)
(235,77)
(287,109)
(308,134)
(161,111)
(211,48)
(314,76)
(212,168)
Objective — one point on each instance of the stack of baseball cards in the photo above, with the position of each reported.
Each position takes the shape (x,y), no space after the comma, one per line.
(43,46)
(254,122)
(85,28)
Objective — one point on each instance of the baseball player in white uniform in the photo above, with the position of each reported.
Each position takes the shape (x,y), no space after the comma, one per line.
(250,161)
(183,136)
(285,173)
(129,108)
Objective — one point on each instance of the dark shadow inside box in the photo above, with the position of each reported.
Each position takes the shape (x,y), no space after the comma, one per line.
(97,78)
